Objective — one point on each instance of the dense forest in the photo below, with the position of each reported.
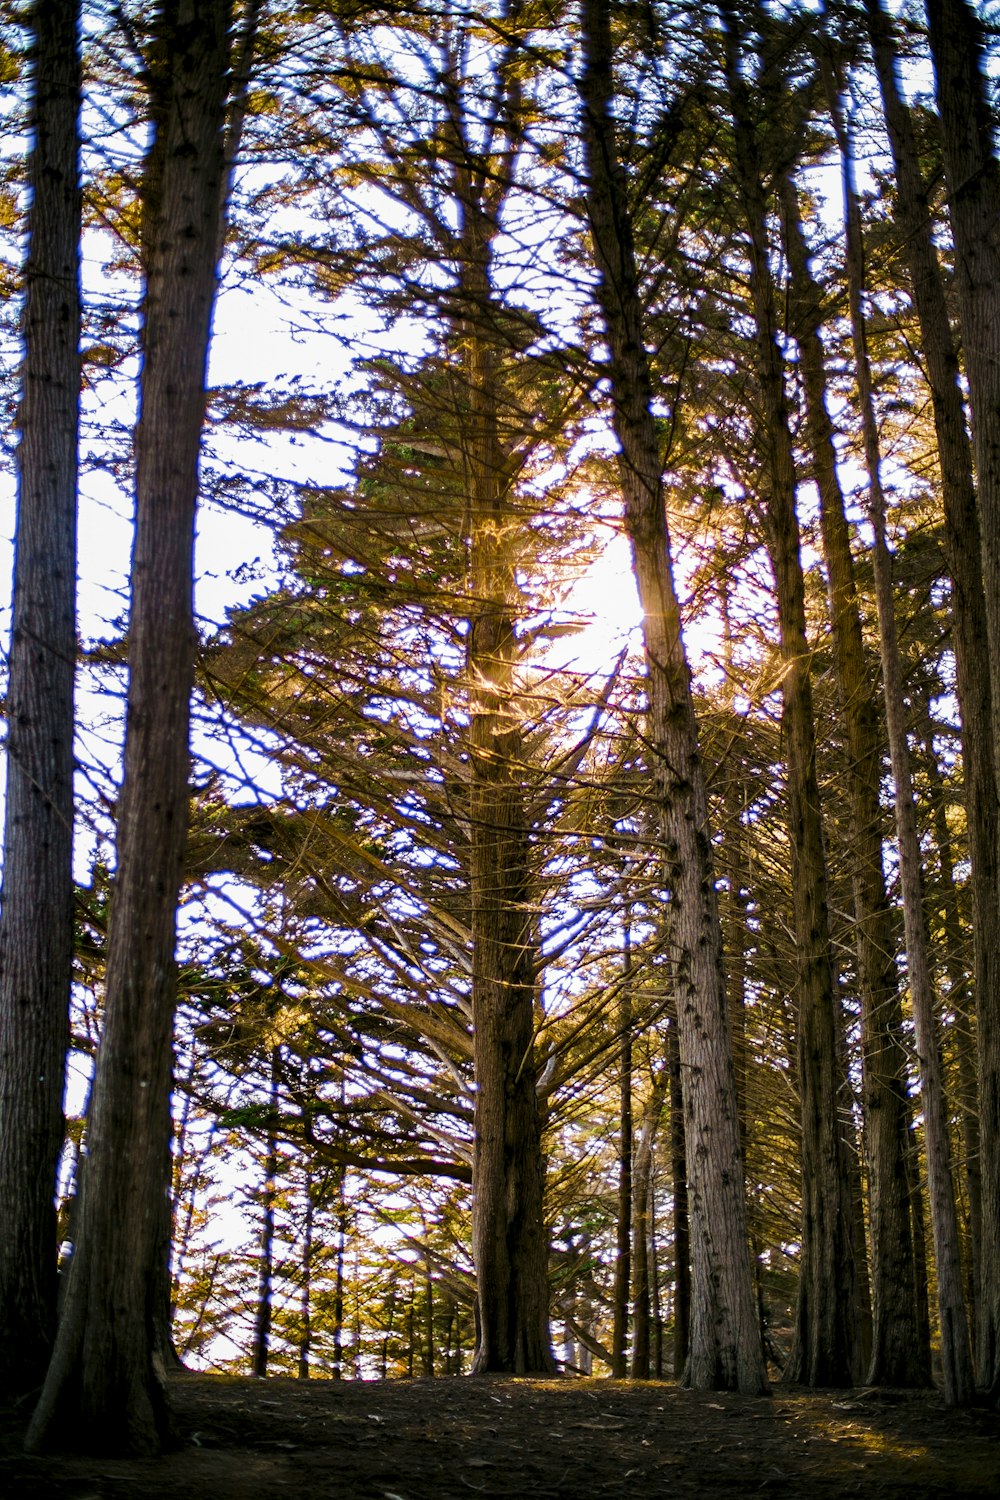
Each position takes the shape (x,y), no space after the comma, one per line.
(501,851)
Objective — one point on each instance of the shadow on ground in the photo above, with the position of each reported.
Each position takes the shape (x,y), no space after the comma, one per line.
(548,1440)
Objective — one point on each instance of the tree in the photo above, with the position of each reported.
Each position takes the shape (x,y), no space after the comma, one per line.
(725,1347)
(105,1386)
(955,1351)
(915,218)
(508,1227)
(36,925)
(827,1350)
(897,1356)
(973,175)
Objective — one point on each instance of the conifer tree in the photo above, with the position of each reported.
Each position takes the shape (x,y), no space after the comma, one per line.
(105,1387)
(36,925)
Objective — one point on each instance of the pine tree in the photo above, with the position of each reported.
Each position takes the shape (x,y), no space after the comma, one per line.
(36,927)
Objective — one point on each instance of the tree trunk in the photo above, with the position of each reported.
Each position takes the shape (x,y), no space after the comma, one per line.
(725,1344)
(305,1298)
(428,1355)
(681,1226)
(337,1369)
(509,1241)
(641,1297)
(959,1000)
(36,927)
(623,1249)
(105,1387)
(896,1358)
(826,1347)
(973,176)
(919,1222)
(968,617)
(508,1230)
(265,1257)
(655,1299)
(956,1357)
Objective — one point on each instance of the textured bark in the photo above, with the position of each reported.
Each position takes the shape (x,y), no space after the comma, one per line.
(826,1346)
(973,177)
(655,1299)
(733,861)
(260,1352)
(897,1358)
(956,971)
(36,927)
(644,1269)
(968,603)
(725,1347)
(956,1359)
(623,1236)
(105,1390)
(510,1247)
(306,1273)
(919,1220)
(955,1354)
(682,1232)
(337,1362)
(509,1241)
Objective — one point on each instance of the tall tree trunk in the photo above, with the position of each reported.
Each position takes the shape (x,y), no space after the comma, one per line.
(897,1358)
(305,1296)
(725,1343)
(956,1357)
(508,1230)
(973,175)
(36,926)
(655,1299)
(623,1247)
(961,517)
(265,1256)
(105,1387)
(919,1221)
(733,858)
(969,626)
(681,1222)
(641,1297)
(428,1351)
(509,1241)
(956,973)
(826,1347)
(337,1364)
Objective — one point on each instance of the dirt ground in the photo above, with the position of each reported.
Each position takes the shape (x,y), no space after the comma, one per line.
(548,1440)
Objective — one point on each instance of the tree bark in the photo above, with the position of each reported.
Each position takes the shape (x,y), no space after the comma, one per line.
(897,1358)
(725,1343)
(337,1363)
(643,1271)
(509,1241)
(956,1359)
(956,972)
(623,1247)
(973,177)
(681,1221)
(36,926)
(826,1347)
(305,1296)
(105,1387)
(261,1350)
(509,1238)
(510,1247)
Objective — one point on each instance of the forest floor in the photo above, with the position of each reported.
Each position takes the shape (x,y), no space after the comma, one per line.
(547,1440)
